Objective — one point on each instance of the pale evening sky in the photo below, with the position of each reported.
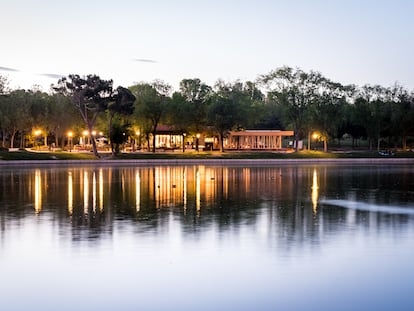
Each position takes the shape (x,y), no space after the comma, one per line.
(349,41)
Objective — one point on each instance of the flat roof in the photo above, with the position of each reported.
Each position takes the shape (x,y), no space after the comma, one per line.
(263,133)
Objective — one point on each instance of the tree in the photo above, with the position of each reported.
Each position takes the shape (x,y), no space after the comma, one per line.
(326,112)
(177,115)
(229,108)
(14,115)
(197,94)
(119,134)
(122,104)
(151,104)
(295,90)
(90,96)
(62,117)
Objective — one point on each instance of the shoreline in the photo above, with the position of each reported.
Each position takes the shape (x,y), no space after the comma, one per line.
(143,162)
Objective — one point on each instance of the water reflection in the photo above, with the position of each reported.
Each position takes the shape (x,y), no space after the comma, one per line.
(315,190)
(38,192)
(137,191)
(70,193)
(273,237)
(287,201)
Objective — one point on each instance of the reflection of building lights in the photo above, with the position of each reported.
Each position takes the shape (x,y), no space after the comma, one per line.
(94,192)
(315,191)
(85,192)
(185,188)
(70,193)
(198,189)
(38,192)
(137,191)
(100,190)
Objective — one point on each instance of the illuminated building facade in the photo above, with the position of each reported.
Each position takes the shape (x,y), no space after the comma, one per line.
(257,140)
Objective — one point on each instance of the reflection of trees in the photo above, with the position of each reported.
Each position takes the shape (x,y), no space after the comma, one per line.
(279,201)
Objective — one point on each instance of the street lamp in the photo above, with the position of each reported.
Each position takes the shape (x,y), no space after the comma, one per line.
(197,141)
(70,140)
(184,135)
(315,136)
(85,133)
(37,133)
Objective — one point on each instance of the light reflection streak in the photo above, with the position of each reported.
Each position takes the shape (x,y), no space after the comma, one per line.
(94,192)
(85,192)
(137,191)
(315,191)
(185,188)
(70,193)
(100,190)
(38,192)
(198,189)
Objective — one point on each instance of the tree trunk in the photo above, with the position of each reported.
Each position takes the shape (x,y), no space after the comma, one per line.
(183,143)
(404,142)
(309,140)
(22,140)
(153,141)
(221,142)
(3,142)
(92,138)
(12,138)
(111,115)
(325,145)
(148,143)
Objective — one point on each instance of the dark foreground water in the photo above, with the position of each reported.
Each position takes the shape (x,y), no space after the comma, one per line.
(310,237)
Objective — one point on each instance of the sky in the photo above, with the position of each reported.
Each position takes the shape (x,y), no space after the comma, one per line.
(129,41)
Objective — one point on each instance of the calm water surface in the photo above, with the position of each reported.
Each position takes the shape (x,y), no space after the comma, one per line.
(307,237)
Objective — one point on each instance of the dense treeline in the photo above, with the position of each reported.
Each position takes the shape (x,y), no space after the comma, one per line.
(285,98)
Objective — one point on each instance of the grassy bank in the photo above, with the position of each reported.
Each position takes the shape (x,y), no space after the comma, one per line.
(27,155)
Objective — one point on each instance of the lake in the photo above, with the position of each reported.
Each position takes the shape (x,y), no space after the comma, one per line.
(207,237)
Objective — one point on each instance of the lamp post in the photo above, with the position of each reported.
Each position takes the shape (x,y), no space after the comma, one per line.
(197,141)
(85,134)
(70,140)
(137,140)
(37,133)
(315,136)
(184,135)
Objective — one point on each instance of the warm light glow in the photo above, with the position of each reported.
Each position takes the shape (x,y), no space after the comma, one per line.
(70,193)
(198,135)
(93,133)
(100,133)
(38,192)
(85,133)
(198,189)
(315,135)
(137,133)
(70,134)
(185,188)
(315,191)
(137,191)
(101,190)
(37,132)
(85,192)
(94,192)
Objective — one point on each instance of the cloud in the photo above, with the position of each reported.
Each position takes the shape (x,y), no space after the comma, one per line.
(145,60)
(52,75)
(8,69)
